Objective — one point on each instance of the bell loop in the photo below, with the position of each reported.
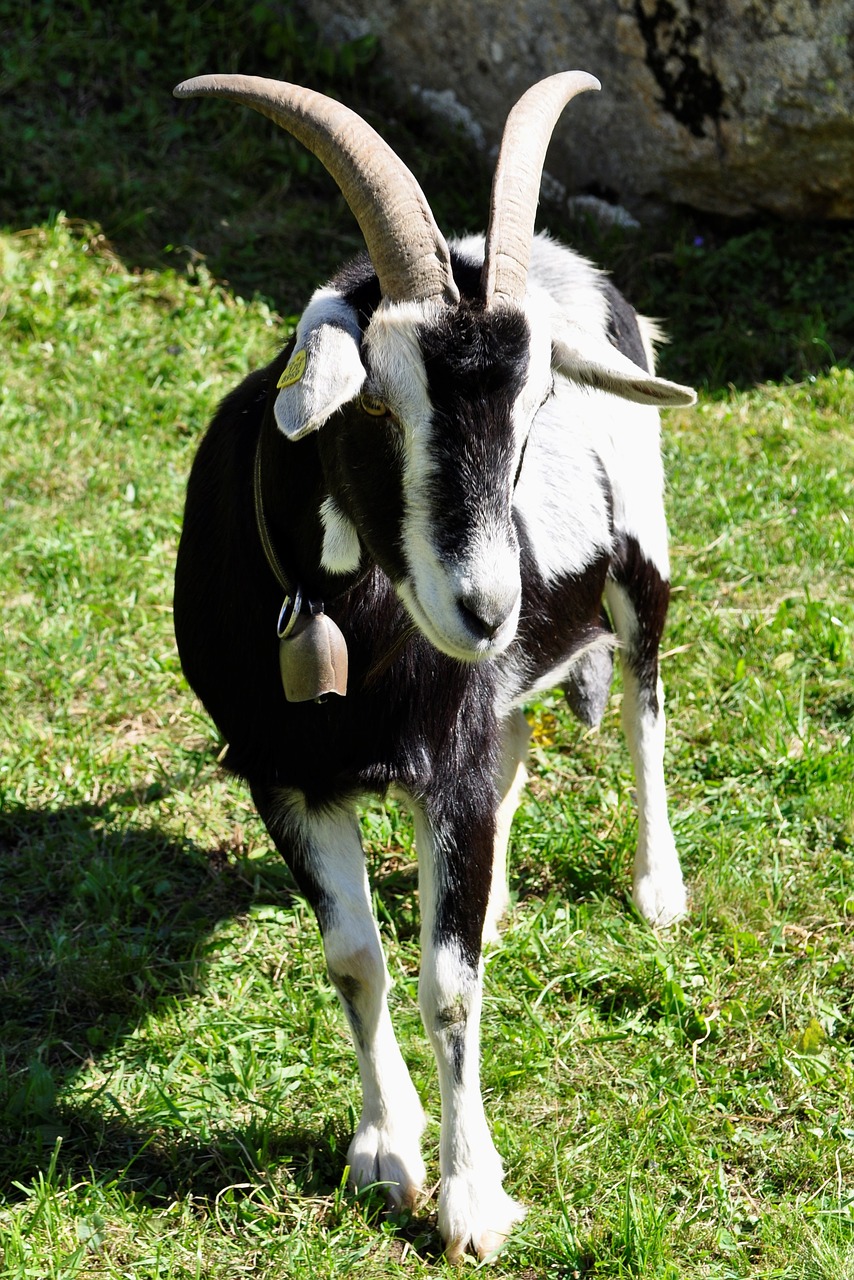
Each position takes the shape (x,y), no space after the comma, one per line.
(289,612)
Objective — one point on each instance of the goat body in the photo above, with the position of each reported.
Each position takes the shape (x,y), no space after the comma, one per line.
(474,492)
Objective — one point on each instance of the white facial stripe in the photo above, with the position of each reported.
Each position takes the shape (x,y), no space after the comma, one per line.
(393,355)
(484,577)
(398,374)
(342,551)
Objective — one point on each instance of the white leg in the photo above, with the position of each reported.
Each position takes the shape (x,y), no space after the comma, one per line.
(658,889)
(474,1209)
(512,777)
(325,852)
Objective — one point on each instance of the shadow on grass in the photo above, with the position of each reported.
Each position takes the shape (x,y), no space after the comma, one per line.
(101,922)
(572,877)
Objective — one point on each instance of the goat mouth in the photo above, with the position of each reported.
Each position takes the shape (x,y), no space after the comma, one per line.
(471,641)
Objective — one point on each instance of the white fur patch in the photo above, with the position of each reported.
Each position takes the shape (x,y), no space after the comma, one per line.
(393,353)
(571,282)
(658,888)
(560,494)
(386,1146)
(512,776)
(342,551)
(629,445)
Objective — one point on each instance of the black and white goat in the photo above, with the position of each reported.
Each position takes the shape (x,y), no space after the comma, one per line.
(457,462)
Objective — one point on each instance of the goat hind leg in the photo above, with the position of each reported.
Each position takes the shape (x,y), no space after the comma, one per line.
(324,851)
(637,599)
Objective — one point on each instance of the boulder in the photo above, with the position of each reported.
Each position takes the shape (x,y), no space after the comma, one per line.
(729,106)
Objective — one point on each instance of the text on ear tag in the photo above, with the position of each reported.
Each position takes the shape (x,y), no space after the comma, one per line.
(293,372)
(313,659)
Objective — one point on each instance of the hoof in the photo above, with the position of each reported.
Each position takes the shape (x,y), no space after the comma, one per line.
(390,1159)
(476,1218)
(660,904)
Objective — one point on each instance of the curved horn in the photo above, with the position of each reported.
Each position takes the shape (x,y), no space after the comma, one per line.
(516,185)
(408,251)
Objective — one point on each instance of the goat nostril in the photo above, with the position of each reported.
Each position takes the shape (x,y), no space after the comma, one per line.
(479,626)
(483,618)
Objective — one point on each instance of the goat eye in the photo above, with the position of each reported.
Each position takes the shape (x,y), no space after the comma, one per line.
(372,406)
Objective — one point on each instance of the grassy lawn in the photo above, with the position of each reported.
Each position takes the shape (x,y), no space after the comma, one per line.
(177,1089)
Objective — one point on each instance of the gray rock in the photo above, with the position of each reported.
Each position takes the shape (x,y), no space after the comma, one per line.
(730,107)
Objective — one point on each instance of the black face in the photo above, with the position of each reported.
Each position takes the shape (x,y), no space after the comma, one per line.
(476,364)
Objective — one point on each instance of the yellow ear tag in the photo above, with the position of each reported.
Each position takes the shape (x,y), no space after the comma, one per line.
(294,371)
(373,406)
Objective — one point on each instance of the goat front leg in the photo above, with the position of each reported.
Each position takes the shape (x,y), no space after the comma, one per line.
(638,598)
(455,876)
(510,781)
(324,851)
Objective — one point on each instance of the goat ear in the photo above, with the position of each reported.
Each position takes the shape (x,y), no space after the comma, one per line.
(325,370)
(593,362)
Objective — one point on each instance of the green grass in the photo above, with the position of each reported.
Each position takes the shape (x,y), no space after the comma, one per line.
(177,1089)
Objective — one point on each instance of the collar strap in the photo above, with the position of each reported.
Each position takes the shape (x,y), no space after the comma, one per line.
(294,600)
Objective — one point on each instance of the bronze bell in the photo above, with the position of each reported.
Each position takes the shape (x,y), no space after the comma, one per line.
(313,658)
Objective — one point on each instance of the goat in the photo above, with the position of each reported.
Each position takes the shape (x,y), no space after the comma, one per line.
(452,474)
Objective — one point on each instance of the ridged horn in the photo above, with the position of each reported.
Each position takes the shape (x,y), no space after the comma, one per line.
(516,185)
(408,250)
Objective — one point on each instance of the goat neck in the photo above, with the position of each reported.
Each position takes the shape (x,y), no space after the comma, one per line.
(293,490)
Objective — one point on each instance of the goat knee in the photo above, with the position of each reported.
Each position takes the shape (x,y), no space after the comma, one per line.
(358,974)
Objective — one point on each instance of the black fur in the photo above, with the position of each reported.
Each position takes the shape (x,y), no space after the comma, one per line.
(623,329)
(406,728)
(649,594)
(476,364)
